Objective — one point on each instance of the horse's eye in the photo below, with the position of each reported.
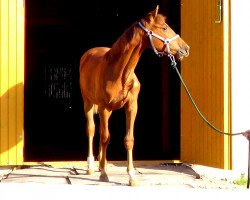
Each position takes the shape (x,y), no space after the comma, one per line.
(165,28)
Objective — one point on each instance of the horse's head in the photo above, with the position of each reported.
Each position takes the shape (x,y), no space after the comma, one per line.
(162,38)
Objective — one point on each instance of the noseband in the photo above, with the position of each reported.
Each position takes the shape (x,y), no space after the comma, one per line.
(166,42)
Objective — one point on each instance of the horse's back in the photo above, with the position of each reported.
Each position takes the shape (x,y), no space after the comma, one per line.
(93,57)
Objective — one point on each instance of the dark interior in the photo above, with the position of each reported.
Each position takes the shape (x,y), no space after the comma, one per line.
(58,32)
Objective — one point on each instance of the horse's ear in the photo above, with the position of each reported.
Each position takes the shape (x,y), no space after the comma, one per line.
(155,12)
(152,15)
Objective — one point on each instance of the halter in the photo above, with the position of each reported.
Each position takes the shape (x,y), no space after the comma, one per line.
(166,42)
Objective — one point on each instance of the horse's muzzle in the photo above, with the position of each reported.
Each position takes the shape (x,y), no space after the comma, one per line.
(183,52)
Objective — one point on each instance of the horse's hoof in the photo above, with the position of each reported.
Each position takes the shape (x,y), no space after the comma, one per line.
(90,171)
(104,177)
(133,182)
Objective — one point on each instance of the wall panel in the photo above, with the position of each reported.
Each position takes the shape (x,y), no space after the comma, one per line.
(11,81)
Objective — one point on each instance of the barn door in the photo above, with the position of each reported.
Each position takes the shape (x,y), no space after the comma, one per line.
(206,72)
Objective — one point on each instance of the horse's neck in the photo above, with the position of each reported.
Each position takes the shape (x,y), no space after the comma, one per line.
(128,69)
(127,60)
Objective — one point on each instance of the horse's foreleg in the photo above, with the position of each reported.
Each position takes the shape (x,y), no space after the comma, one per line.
(131,111)
(104,115)
(90,129)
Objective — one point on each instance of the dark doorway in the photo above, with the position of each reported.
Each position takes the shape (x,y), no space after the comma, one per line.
(58,32)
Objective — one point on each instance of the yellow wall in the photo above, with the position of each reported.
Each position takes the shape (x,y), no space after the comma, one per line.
(207,74)
(11,81)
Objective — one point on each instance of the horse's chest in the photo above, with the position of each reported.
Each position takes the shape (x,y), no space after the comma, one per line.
(117,93)
(116,97)
(114,105)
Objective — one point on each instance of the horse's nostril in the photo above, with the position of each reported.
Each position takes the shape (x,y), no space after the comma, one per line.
(184,51)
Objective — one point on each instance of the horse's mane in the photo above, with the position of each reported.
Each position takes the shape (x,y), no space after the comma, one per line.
(122,43)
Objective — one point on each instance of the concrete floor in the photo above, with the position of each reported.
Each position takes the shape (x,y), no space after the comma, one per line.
(156,181)
(149,174)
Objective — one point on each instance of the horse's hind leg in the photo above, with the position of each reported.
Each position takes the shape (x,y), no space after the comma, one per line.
(90,129)
(104,115)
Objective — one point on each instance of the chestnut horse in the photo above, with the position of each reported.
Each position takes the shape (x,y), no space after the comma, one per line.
(108,81)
